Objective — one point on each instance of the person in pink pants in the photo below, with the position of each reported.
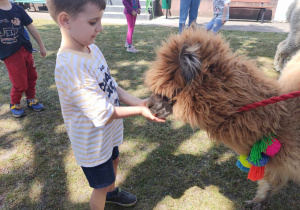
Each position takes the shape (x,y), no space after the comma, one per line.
(132,8)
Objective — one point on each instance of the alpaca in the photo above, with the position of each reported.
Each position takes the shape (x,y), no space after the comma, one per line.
(291,44)
(205,83)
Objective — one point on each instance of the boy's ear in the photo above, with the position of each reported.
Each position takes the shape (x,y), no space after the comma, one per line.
(63,20)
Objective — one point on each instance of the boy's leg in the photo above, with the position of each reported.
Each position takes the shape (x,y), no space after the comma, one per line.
(31,75)
(183,13)
(31,81)
(17,71)
(100,178)
(217,25)
(115,164)
(193,13)
(116,195)
(97,200)
(210,24)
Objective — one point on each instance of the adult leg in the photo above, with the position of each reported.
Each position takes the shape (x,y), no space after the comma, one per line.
(183,13)
(193,13)
(17,72)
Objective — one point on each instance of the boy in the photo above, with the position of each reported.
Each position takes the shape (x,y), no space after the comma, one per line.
(90,99)
(221,15)
(15,51)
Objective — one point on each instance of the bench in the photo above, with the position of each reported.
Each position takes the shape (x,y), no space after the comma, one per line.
(32,2)
(260,5)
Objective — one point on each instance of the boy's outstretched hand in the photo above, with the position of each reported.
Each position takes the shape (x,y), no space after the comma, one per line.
(147,113)
(149,116)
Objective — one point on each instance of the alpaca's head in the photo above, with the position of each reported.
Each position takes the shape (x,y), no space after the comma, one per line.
(187,68)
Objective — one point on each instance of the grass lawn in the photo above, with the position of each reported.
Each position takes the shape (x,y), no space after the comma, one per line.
(168,166)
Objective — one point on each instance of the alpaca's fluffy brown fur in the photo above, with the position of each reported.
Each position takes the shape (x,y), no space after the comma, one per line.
(208,83)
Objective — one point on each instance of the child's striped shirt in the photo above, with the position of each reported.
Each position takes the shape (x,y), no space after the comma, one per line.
(87,94)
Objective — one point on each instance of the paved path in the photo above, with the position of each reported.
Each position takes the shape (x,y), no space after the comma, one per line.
(239,25)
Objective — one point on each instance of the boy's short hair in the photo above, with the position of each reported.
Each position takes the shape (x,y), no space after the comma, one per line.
(72,7)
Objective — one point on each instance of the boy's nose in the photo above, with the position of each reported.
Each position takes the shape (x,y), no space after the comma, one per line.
(99,28)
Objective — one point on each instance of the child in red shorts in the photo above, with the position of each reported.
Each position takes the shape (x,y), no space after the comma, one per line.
(15,52)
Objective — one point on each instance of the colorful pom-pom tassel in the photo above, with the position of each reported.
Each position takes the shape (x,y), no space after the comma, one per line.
(274,148)
(240,166)
(244,161)
(261,162)
(256,173)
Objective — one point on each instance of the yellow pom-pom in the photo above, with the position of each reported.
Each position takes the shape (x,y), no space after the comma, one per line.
(244,161)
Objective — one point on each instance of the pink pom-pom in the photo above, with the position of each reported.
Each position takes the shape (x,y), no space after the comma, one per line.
(274,148)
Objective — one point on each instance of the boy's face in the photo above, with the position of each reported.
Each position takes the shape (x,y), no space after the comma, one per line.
(85,26)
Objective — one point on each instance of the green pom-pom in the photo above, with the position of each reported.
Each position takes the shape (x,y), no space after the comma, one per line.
(259,147)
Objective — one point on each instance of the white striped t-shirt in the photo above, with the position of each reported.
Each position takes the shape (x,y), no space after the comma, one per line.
(87,94)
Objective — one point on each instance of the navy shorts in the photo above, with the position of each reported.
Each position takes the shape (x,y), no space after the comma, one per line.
(102,175)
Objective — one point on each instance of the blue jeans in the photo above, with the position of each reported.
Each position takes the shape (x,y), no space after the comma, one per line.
(188,8)
(214,25)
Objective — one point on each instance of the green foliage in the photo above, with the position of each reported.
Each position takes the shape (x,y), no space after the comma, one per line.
(168,166)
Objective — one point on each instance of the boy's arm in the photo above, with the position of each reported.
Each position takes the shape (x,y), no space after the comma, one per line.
(129,99)
(225,13)
(35,34)
(136,107)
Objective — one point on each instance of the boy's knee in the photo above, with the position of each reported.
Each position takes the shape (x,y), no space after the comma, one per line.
(21,87)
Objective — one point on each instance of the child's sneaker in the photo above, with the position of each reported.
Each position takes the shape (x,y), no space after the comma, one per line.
(17,110)
(35,105)
(132,49)
(122,198)
(126,44)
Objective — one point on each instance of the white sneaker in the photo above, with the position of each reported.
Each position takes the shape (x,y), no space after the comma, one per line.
(126,44)
(132,49)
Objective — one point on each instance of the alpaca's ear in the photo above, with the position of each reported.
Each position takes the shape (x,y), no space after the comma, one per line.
(189,62)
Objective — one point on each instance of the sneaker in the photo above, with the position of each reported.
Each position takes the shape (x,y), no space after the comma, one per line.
(126,44)
(132,49)
(122,198)
(35,105)
(17,110)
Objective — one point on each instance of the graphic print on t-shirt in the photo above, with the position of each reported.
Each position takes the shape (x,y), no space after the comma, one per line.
(9,34)
(107,85)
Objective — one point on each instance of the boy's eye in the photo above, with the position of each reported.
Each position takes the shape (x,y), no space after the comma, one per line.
(92,23)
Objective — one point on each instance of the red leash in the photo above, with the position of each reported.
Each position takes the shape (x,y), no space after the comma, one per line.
(272,100)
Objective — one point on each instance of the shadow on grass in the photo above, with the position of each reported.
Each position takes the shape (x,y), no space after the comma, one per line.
(38,173)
